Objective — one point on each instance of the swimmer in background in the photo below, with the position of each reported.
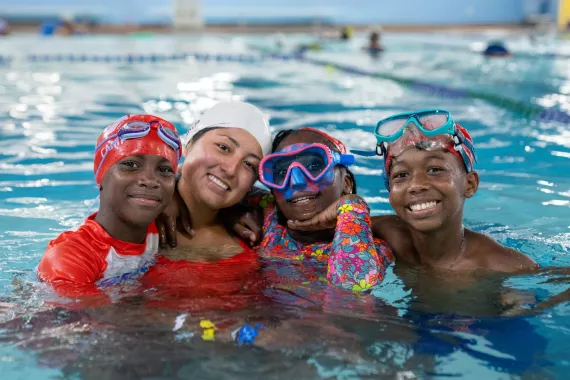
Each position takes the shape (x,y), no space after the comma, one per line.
(4,28)
(66,28)
(279,41)
(496,49)
(375,42)
(374,45)
(322,40)
(315,46)
(346,33)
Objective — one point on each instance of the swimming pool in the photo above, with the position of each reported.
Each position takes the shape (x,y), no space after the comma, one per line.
(52,112)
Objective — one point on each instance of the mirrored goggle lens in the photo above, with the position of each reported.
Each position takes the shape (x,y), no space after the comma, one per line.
(315,161)
(433,121)
(421,142)
(171,133)
(135,126)
(172,136)
(389,127)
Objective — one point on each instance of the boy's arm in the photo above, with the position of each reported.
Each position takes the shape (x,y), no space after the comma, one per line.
(71,269)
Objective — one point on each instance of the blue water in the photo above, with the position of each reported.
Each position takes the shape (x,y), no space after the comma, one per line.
(51,114)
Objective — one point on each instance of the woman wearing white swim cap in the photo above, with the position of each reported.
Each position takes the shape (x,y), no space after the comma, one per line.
(222,156)
(233,114)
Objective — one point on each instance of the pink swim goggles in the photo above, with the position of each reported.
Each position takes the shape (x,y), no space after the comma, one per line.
(314,160)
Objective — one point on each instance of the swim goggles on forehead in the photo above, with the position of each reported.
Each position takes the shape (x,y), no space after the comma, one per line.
(314,160)
(437,130)
(137,129)
(429,122)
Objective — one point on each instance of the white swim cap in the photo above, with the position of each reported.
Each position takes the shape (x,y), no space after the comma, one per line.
(234,114)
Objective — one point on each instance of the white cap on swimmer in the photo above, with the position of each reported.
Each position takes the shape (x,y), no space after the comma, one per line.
(234,114)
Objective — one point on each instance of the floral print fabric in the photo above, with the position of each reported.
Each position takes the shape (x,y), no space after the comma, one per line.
(355,260)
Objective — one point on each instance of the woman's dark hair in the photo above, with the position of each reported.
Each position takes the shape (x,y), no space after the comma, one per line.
(283,134)
(200,133)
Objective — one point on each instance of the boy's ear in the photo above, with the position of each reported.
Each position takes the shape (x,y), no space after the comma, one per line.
(472,184)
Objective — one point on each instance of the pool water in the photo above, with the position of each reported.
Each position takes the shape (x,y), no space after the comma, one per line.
(412,326)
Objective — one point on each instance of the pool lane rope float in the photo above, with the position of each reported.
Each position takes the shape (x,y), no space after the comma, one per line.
(524,109)
(527,110)
(146,58)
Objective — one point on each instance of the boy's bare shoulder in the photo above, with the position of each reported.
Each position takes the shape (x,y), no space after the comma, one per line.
(489,254)
(389,223)
(396,233)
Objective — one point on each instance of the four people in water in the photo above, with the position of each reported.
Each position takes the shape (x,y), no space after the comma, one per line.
(311,213)
(311,217)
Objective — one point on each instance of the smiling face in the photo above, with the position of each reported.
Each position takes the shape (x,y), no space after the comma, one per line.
(138,188)
(220,167)
(302,198)
(428,188)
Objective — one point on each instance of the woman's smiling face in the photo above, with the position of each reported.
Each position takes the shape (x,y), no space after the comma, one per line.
(220,167)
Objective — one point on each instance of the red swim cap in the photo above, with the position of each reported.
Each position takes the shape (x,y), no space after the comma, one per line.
(117,148)
(469,152)
(337,143)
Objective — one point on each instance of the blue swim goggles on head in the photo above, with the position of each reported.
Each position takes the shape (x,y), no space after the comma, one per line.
(428,129)
(430,122)
(434,124)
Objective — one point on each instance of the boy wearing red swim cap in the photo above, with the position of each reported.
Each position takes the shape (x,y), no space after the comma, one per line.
(134,165)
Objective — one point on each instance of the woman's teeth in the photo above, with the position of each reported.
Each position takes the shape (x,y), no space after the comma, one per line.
(303,199)
(218,182)
(423,206)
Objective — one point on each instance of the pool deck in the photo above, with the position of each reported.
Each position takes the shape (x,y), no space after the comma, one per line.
(287,28)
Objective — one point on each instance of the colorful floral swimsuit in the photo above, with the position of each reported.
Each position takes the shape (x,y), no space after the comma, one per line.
(355,259)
